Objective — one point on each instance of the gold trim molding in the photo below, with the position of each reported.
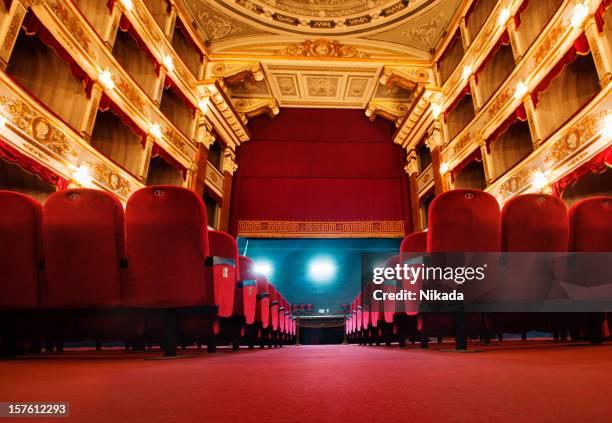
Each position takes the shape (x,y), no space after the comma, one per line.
(321,229)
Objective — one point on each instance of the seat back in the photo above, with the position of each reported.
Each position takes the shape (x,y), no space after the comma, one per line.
(20,251)
(84,248)
(274,306)
(167,239)
(464,220)
(412,247)
(222,265)
(281,314)
(390,286)
(534,223)
(246,290)
(262,310)
(591,225)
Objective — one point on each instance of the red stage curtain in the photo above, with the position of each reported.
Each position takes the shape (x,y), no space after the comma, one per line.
(160,152)
(466,90)
(126,25)
(476,156)
(504,40)
(580,46)
(170,84)
(518,114)
(12,155)
(33,26)
(597,164)
(107,104)
(320,165)
(599,14)
(179,25)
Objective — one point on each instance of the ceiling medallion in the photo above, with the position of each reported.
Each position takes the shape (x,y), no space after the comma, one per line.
(321,48)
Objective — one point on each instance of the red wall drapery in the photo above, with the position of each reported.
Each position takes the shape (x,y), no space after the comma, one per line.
(456,37)
(160,152)
(107,104)
(320,165)
(465,91)
(170,84)
(33,26)
(179,25)
(518,114)
(12,155)
(476,156)
(126,26)
(597,164)
(580,46)
(504,40)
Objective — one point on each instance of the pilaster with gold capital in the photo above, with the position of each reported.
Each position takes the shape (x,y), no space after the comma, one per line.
(412,168)
(229,167)
(435,143)
(475,90)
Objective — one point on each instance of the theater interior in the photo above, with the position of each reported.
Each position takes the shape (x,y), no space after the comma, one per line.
(194,195)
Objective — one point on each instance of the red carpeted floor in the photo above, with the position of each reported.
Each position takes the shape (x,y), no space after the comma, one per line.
(510,382)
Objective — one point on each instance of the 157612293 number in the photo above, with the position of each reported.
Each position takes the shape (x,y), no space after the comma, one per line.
(16,409)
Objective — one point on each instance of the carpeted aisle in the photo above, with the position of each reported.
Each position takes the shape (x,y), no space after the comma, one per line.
(324,384)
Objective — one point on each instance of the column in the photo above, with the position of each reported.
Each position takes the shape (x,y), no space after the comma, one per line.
(435,143)
(112,26)
(10,25)
(476,97)
(601,50)
(91,110)
(466,37)
(486,163)
(412,169)
(146,159)
(533,119)
(515,41)
(229,167)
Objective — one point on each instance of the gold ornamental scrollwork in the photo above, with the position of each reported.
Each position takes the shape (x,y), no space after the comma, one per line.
(26,119)
(73,25)
(321,48)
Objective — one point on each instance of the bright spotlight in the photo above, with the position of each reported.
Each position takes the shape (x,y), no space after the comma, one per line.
(264,268)
(322,269)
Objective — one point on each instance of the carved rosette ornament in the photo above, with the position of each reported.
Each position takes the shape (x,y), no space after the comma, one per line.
(321,48)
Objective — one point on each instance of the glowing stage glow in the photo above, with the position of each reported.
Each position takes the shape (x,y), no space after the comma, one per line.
(321,269)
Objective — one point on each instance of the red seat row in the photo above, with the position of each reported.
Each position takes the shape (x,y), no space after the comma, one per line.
(471,221)
(81,267)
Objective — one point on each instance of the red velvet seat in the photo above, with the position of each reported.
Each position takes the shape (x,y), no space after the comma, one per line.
(20,260)
(529,223)
(246,290)
(84,248)
(274,305)
(591,231)
(20,251)
(167,238)
(461,220)
(412,247)
(223,259)
(262,311)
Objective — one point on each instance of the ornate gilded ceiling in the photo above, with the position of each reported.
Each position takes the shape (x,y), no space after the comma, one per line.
(321,53)
(378,28)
